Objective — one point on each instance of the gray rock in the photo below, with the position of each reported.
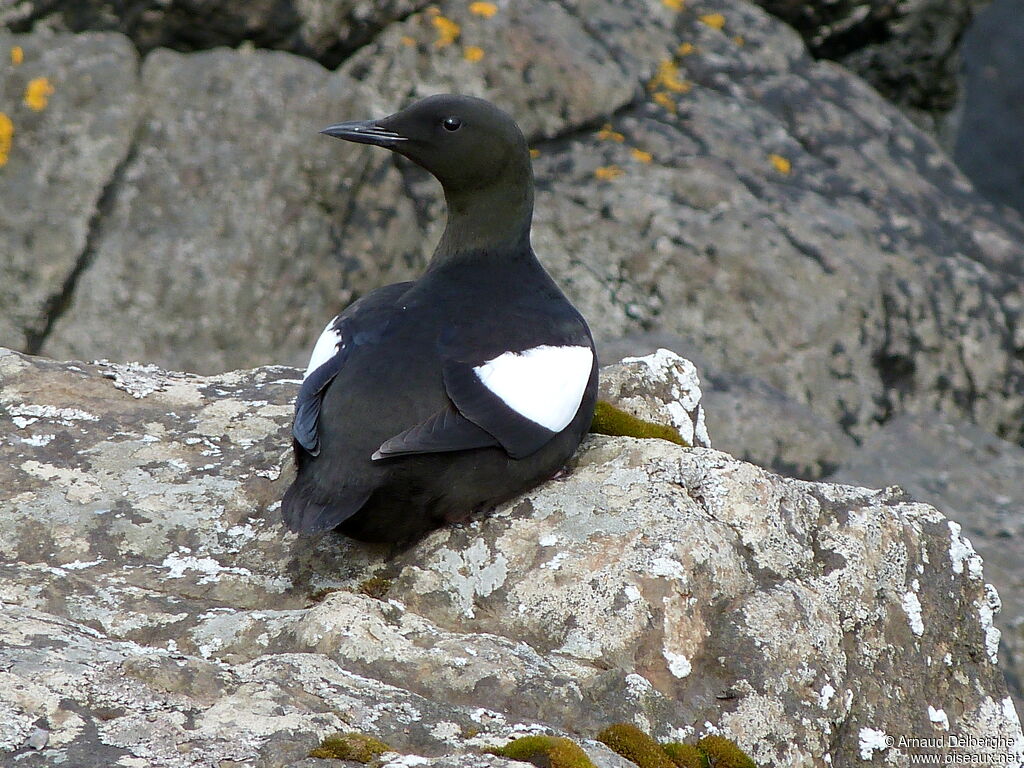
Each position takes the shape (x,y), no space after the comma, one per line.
(907,50)
(990,138)
(975,478)
(67,143)
(156,611)
(232,231)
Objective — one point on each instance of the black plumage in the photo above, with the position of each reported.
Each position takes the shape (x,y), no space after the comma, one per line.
(430,399)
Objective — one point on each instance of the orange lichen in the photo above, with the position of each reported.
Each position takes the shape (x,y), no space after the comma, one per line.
(6,134)
(37,93)
(608,172)
(663,99)
(713,20)
(607,133)
(447,30)
(473,53)
(667,77)
(641,156)
(17,55)
(408,41)
(535,153)
(483,9)
(675,5)
(685,49)
(738,39)
(780,164)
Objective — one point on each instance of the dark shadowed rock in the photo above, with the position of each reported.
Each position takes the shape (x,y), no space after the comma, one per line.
(907,50)
(155,609)
(69,107)
(326,30)
(976,479)
(990,137)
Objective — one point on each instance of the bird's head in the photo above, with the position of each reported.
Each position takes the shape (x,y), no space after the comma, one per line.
(465,142)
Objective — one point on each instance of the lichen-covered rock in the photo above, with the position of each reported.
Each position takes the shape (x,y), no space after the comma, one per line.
(976,479)
(68,108)
(156,610)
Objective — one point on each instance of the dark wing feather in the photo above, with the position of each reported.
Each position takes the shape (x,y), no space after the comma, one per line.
(447,430)
(307,403)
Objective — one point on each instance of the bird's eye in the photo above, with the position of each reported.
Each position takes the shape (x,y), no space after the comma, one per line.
(451,123)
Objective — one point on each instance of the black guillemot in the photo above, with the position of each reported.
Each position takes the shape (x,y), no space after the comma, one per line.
(427,400)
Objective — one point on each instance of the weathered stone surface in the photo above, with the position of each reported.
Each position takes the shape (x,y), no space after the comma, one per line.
(69,107)
(974,478)
(155,610)
(908,50)
(233,228)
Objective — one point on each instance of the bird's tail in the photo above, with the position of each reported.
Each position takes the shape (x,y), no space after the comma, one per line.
(305,510)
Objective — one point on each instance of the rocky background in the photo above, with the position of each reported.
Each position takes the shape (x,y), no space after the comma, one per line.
(766,190)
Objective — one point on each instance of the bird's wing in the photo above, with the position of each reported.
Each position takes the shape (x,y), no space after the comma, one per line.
(523,397)
(447,430)
(329,354)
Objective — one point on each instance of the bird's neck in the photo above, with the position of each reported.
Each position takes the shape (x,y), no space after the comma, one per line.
(492,220)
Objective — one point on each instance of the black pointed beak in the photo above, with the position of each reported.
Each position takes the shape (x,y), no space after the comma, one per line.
(365,132)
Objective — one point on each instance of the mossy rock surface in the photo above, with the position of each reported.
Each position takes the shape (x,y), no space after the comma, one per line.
(685,755)
(635,745)
(545,752)
(357,747)
(609,420)
(724,753)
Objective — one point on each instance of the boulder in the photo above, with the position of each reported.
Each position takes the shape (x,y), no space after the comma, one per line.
(68,110)
(975,478)
(155,611)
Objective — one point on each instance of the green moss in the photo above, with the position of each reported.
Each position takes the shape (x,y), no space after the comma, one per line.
(724,753)
(609,420)
(545,752)
(635,745)
(375,586)
(685,755)
(351,746)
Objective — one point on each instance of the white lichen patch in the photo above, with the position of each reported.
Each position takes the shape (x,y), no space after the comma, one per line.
(78,486)
(136,379)
(825,696)
(938,717)
(912,607)
(871,740)
(678,664)
(961,551)
(988,607)
(178,564)
(474,572)
(63,416)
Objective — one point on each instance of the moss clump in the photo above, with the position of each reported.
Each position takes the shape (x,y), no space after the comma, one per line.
(724,753)
(375,586)
(609,420)
(351,746)
(685,755)
(545,752)
(635,745)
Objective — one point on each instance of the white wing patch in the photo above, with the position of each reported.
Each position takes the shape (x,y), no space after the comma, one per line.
(326,347)
(545,384)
